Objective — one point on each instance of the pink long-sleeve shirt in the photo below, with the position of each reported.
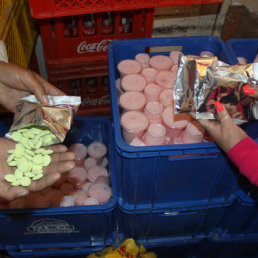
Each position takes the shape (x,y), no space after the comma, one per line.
(245,156)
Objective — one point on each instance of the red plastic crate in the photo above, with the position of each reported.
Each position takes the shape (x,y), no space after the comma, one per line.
(68,40)
(91,85)
(56,8)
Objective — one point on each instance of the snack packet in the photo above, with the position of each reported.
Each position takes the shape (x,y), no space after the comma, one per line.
(194,90)
(57,116)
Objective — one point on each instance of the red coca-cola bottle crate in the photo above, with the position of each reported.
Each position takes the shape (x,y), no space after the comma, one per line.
(91,85)
(84,38)
(56,8)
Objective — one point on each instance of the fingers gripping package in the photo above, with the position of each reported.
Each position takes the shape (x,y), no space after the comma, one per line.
(200,81)
(35,126)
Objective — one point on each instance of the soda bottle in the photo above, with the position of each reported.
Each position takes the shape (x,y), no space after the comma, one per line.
(105,84)
(92,85)
(125,25)
(53,32)
(74,27)
(67,27)
(89,25)
(107,24)
(75,85)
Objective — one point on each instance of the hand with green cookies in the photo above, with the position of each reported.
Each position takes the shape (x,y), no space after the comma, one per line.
(17,82)
(61,162)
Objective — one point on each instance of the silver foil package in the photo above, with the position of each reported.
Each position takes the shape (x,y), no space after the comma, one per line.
(202,80)
(57,116)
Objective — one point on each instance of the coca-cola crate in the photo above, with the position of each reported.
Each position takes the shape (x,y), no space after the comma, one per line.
(55,8)
(92,86)
(84,38)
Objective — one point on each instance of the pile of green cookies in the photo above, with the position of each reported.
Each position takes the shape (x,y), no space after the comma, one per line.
(28,158)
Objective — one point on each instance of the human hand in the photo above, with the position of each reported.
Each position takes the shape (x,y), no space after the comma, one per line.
(17,82)
(225,133)
(250,91)
(61,162)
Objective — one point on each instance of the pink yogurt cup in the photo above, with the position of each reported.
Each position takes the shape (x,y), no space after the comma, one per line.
(133,124)
(143,59)
(133,82)
(97,150)
(149,74)
(174,129)
(161,62)
(129,66)
(166,98)
(174,55)
(165,79)
(153,111)
(192,134)
(132,101)
(80,151)
(155,135)
(152,92)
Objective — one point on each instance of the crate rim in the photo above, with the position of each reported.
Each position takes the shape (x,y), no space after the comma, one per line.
(50,12)
(121,145)
(89,209)
(231,42)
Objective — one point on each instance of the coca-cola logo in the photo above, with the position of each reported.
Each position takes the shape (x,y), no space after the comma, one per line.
(101,46)
(104,100)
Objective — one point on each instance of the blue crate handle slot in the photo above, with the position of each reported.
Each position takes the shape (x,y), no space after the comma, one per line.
(193,156)
(178,213)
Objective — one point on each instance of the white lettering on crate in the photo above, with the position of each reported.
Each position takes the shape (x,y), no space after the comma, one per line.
(101,46)
(50,226)
(104,100)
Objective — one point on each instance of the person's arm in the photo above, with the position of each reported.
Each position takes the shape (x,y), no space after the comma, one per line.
(235,142)
(244,155)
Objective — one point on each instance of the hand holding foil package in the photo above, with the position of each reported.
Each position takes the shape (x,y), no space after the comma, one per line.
(57,116)
(204,79)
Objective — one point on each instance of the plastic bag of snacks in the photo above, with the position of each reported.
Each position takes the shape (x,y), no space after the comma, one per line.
(36,126)
(204,79)
(128,249)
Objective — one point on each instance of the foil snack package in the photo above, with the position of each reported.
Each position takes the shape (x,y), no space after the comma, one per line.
(57,116)
(195,88)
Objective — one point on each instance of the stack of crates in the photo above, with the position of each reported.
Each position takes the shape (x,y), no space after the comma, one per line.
(75,35)
(239,222)
(172,194)
(17,31)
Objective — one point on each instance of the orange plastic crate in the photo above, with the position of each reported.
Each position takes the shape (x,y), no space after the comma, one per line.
(55,8)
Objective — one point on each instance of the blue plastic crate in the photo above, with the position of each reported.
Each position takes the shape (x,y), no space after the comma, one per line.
(244,47)
(220,248)
(152,227)
(207,248)
(179,249)
(169,176)
(64,227)
(240,221)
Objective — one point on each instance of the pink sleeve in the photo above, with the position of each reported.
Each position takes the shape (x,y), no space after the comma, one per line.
(245,156)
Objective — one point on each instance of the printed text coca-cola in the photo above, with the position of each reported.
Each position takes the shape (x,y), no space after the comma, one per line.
(101,46)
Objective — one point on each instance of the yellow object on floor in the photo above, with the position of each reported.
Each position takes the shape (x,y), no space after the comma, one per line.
(128,249)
